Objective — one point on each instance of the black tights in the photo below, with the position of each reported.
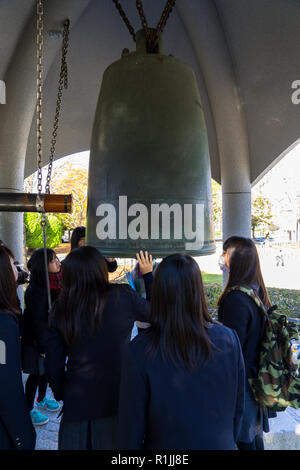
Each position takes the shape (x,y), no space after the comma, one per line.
(33,383)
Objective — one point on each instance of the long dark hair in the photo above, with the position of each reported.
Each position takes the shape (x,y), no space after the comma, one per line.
(78,233)
(36,266)
(179,315)
(85,286)
(8,284)
(245,267)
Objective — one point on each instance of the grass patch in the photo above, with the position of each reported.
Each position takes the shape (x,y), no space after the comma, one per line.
(287,300)
(212,278)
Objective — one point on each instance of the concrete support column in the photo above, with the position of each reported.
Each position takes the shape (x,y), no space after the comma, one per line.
(207,35)
(11,230)
(236,214)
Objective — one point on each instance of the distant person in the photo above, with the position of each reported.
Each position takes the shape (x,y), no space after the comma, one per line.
(183,378)
(35,329)
(279,258)
(237,310)
(90,324)
(267,241)
(16,429)
(78,240)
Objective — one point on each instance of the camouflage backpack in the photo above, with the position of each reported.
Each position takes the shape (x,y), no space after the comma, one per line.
(278,383)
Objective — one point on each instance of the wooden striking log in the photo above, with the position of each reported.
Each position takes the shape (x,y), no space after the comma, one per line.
(27,202)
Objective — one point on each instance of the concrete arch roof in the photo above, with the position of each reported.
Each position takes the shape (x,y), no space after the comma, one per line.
(245,49)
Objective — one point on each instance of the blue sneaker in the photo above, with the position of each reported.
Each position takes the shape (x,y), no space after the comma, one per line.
(37,418)
(48,404)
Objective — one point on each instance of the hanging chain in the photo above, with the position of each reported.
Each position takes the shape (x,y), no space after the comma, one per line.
(164,17)
(150,34)
(152,37)
(124,17)
(39,101)
(63,83)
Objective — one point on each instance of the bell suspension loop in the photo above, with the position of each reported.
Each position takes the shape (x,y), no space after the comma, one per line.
(152,35)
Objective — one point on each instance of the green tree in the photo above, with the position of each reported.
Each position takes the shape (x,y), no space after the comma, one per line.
(69,179)
(34,233)
(261,213)
(217,205)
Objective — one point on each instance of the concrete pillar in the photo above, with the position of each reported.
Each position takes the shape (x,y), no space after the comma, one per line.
(206,32)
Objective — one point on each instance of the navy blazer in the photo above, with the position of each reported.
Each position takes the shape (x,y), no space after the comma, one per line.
(90,384)
(16,429)
(166,407)
(36,316)
(239,312)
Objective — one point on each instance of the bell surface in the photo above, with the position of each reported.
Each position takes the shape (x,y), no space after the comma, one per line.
(149,172)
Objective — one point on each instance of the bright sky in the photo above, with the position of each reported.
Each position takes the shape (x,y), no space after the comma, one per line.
(283,177)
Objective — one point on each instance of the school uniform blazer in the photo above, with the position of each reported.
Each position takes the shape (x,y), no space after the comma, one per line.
(239,312)
(16,429)
(167,407)
(90,384)
(35,316)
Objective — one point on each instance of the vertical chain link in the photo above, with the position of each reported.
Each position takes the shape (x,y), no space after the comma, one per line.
(63,83)
(150,34)
(124,17)
(164,17)
(39,101)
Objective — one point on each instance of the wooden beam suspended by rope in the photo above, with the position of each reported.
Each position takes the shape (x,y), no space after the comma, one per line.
(28,202)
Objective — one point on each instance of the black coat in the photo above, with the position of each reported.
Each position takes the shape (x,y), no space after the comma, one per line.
(171,408)
(35,317)
(16,429)
(90,385)
(240,312)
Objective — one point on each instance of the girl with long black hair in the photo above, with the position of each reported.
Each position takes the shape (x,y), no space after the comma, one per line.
(90,324)
(35,328)
(182,383)
(16,430)
(238,311)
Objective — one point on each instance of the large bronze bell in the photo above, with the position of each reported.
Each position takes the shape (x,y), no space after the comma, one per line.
(149,176)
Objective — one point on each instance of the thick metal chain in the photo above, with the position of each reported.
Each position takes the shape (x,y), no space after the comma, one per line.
(39,125)
(152,37)
(39,101)
(63,83)
(164,17)
(124,17)
(150,34)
